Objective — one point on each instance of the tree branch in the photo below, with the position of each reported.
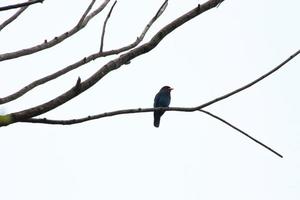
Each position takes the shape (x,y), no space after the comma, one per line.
(47,44)
(139,110)
(81,62)
(25,4)
(104,26)
(251,83)
(241,131)
(13,17)
(86,12)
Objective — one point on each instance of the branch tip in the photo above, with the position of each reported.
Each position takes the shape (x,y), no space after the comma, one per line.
(161,9)
(242,132)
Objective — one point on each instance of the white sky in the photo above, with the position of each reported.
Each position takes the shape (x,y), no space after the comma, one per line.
(191,156)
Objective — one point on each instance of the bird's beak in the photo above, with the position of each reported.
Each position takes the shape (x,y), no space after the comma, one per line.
(171,88)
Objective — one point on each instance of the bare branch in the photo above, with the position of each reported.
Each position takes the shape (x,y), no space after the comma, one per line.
(86,12)
(241,131)
(161,10)
(139,110)
(79,63)
(19,5)
(12,18)
(104,26)
(144,32)
(47,44)
(251,83)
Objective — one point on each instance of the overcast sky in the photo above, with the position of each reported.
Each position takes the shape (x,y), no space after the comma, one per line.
(190,156)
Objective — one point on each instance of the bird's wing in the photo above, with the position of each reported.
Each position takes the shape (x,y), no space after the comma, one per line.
(156,100)
(162,100)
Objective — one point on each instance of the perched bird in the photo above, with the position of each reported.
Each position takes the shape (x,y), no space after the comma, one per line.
(162,99)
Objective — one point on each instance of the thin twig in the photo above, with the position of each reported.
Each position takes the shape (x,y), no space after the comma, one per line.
(241,131)
(161,9)
(47,44)
(19,5)
(251,83)
(104,26)
(79,63)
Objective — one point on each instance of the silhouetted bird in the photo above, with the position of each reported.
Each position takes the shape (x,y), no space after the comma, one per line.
(162,99)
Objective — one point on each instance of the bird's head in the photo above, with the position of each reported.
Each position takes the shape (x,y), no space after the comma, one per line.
(166,89)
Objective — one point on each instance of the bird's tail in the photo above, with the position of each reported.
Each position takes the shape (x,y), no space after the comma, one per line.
(156,121)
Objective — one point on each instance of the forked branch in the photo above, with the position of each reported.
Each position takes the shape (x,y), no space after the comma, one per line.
(89,8)
(13,17)
(74,121)
(242,132)
(19,5)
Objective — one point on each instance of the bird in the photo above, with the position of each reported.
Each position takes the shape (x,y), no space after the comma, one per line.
(162,99)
